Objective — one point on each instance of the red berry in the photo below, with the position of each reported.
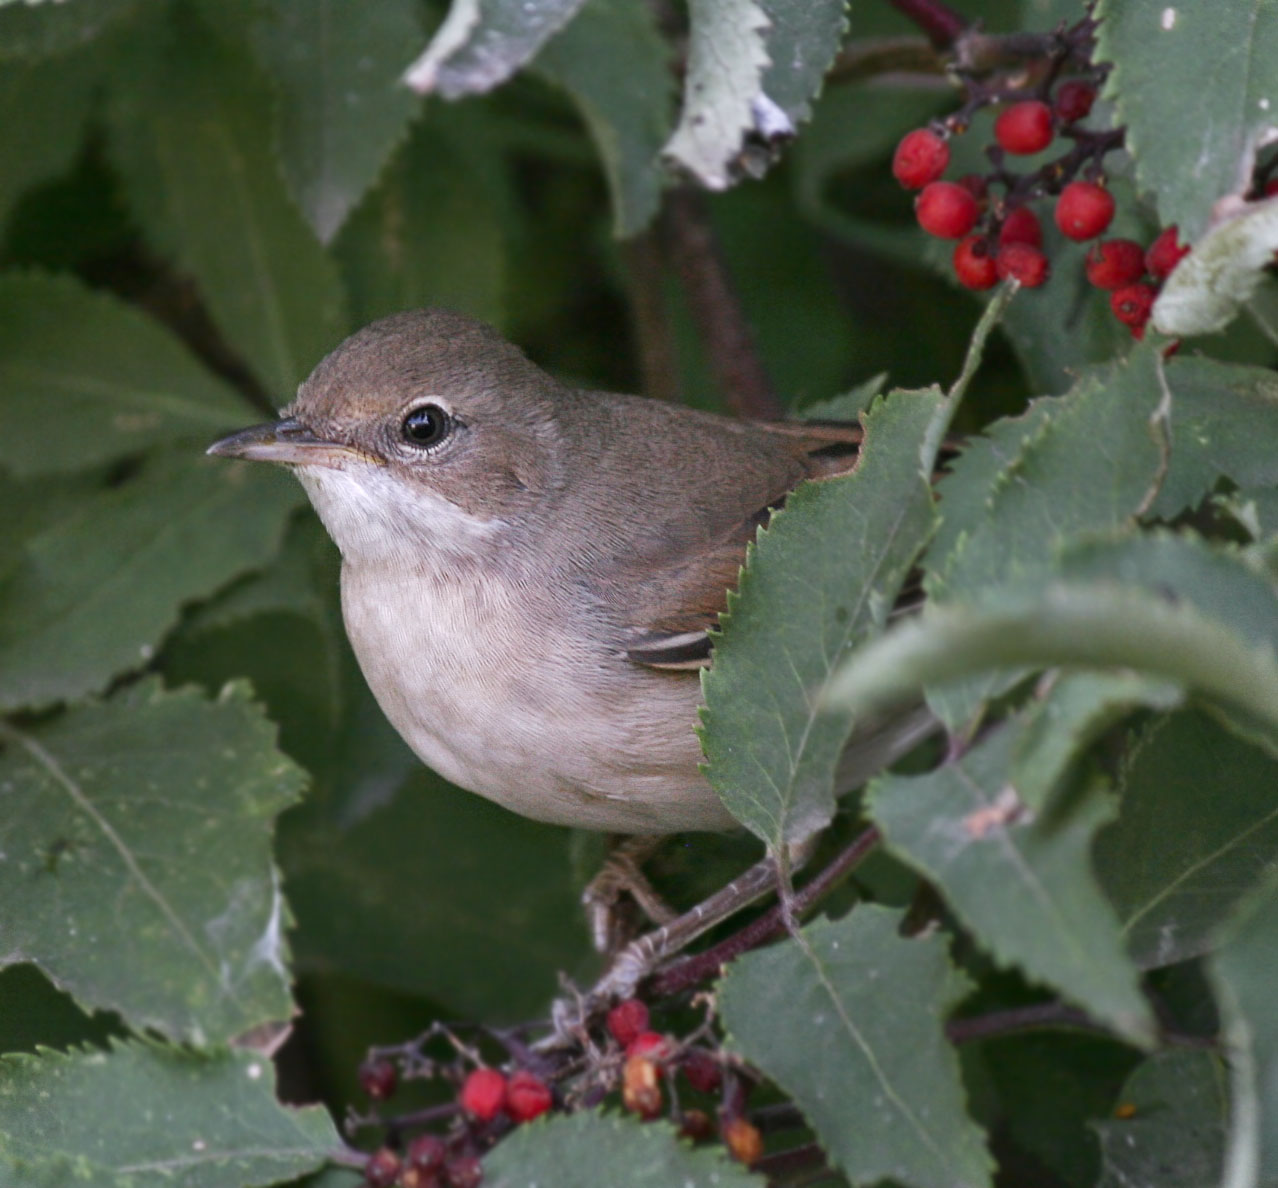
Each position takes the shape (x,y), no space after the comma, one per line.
(483,1093)
(378,1079)
(1074,100)
(921,157)
(464,1172)
(701,1069)
(976,185)
(946,210)
(650,1044)
(1113,263)
(1022,262)
(1165,253)
(626,1020)
(382,1168)
(1271,188)
(974,263)
(527,1096)
(1084,210)
(1021,226)
(1024,128)
(1132,304)
(426,1153)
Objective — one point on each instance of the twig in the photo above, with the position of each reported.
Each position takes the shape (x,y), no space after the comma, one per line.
(716,309)
(1015,1019)
(689,971)
(650,317)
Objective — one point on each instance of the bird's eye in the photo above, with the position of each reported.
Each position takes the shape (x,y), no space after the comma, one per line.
(426,425)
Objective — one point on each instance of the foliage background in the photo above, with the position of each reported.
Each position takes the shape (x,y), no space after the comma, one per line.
(199,199)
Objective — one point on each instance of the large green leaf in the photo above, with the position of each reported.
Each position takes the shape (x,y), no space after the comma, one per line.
(43,109)
(1194,143)
(430,233)
(847,1019)
(1243,974)
(1197,831)
(342,106)
(196,160)
(1022,882)
(1170,1132)
(627,111)
(97,589)
(71,357)
(138,875)
(569,1151)
(753,67)
(483,42)
(803,601)
(34,30)
(144,1116)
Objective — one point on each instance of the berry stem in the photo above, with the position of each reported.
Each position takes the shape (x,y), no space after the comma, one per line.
(689,971)
(942,24)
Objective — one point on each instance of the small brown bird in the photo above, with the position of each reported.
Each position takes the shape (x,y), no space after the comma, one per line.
(529,570)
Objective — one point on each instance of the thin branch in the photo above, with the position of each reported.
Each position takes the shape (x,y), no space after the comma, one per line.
(716,308)
(650,317)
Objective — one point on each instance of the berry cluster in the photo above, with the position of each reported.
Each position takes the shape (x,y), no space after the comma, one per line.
(649,1070)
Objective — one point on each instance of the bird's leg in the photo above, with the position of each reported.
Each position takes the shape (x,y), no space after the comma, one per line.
(622,874)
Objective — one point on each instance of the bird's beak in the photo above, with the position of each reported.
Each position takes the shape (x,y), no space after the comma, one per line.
(286,441)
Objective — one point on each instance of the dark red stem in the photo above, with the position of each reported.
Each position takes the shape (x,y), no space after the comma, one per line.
(939,21)
(690,971)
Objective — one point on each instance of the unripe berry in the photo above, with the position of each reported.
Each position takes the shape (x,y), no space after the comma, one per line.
(483,1093)
(1132,304)
(1113,263)
(1021,226)
(1165,253)
(946,210)
(641,1087)
(921,157)
(1020,261)
(1024,128)
(382,1168)
(464,1172)
(426,1153)
(378,1079)
(696,1126)
(626,1020)
(527,1096)
(743,1140)
(1084,210)
(1074,99)
(974,263)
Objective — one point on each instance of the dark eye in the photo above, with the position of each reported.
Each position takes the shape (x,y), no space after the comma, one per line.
(426,426)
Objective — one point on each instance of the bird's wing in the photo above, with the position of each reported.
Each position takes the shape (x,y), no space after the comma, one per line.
(678,604)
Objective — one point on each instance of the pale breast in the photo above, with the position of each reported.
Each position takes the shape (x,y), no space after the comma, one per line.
(486,691)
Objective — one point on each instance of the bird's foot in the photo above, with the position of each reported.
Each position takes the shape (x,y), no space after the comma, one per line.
(620,887)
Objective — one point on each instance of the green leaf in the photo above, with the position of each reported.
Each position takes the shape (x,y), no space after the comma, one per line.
(1197,831)
(483,42)
(137,838)
(627,111)
(801,604)
(30,30)
(342,106)
(1223,271)
(1021,881)
(1163,605)
(147,1116)
(1192,144)
(1242,973)
(753,67)
(1174,1136)
(99,588)
(73,356)
(1077,709)
(568,1151)
(1224,419)
(196,160)
(43,109)
(429,233)
(847,1019)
